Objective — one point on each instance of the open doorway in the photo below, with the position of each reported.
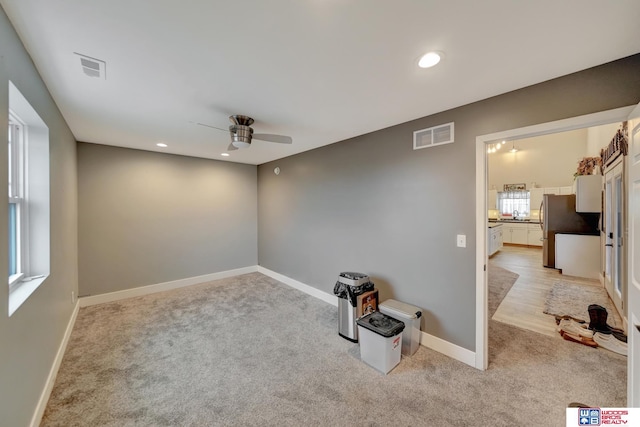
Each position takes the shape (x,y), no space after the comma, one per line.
(482,142)
(558,274)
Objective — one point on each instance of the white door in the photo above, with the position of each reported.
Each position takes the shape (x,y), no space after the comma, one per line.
(633,296)
(614,233)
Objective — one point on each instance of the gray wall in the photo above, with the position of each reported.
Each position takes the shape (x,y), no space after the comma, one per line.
(374,205)
(30,338)
(147,218)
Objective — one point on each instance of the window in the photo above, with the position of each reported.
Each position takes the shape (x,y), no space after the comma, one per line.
(17,207)
(28,200)
(516,203)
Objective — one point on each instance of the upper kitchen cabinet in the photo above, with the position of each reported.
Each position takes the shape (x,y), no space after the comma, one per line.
(535,197)
(588,190)
(492,199)
(566,190)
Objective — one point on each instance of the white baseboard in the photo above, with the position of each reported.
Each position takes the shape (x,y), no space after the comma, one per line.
(448,349)
(314,292)
(53,372)
(441,346)
(427,340)
(161,287)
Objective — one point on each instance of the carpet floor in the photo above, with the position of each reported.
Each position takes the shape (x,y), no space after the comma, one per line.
(250,351)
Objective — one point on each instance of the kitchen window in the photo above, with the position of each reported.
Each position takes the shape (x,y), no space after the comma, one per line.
(28,200)
(514,203)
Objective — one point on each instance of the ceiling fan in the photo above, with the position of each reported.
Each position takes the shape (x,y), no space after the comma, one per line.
(242,133)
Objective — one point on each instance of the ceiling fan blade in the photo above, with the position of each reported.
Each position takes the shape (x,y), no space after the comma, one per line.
(280,139)
(213,127)
(231,147)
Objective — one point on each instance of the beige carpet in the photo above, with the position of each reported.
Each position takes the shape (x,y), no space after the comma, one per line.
(250,351)
(570,299)
(500,283)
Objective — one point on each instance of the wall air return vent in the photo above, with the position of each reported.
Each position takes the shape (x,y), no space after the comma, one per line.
(430,137)
(93,67)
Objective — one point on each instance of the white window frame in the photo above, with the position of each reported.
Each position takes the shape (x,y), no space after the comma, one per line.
(18,194)
(32,190)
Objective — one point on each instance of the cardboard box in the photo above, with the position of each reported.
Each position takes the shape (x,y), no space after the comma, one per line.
(366,303)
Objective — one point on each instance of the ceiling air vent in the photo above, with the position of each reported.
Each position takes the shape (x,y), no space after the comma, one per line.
(430,137)
(93,67)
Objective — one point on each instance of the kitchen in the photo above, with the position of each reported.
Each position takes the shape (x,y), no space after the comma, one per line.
(520,176)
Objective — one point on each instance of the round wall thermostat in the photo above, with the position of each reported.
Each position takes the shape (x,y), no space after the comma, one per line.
(276,171)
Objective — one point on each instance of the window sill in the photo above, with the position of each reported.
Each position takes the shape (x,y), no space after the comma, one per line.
(14,279)
(20,291)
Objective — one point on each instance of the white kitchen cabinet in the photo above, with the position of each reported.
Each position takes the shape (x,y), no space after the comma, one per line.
(494,239)
(534,235)
(535,198)
(565,190)
(515,233)
(588,191)
(519,234)
(492,199)
(522,234)
(506,234)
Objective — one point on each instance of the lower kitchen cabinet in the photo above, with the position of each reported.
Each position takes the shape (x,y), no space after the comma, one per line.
(522,234)
(534,235)
(515,233)
(494,240)
(519,234)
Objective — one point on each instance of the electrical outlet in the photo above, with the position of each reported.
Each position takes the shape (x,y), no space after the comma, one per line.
(461,240)
(73,297)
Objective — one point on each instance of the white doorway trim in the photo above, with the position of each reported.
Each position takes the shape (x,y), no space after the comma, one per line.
(589,120)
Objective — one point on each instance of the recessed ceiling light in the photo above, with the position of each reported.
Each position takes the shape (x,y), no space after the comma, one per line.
(161,144)
(225,154)
(429,59)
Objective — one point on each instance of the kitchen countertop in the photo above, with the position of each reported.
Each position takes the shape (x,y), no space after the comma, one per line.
(515,221)
(580,233)
(494,224)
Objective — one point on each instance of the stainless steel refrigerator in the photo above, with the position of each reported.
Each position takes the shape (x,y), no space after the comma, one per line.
(558,215)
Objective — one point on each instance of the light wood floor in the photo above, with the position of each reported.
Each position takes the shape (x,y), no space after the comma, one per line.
(524,304)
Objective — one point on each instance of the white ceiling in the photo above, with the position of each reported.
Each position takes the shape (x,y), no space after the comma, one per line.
(320,71)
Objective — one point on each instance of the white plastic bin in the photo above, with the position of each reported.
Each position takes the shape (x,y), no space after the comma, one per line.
(410,315)
(380,341)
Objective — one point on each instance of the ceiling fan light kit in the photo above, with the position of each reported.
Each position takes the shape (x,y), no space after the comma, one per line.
(240,135)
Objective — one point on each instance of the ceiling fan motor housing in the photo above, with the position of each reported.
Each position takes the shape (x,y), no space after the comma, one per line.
(240,135)
(239,119)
